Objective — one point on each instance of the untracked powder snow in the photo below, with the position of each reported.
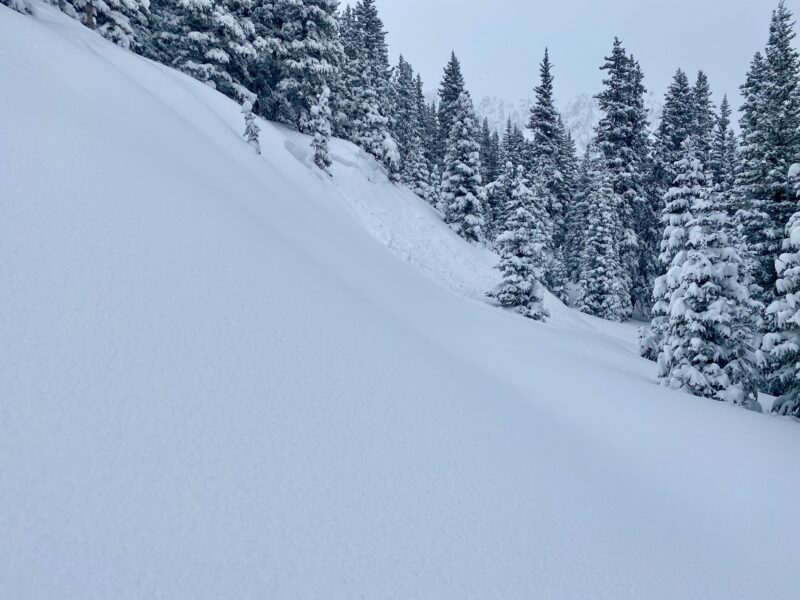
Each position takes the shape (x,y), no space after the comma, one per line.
(229,375)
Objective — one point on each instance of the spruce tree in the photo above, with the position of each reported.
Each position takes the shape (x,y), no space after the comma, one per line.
(513,148)
(677,124)
(770,145)
(349,76)
(622,139)
(546,154)
(415,174)
(430,138)
(780,347)
(124,22)
(543,121)
(461,180)
(251,129)
(522,246)
(368,77)
(577,216)
(689,183)
(703,116)
(214,43)
(426,137)
(567,162)
(309,51)
(490,153)
(450,90)
(497,196)
(320,125)
(703,352)
(749,193)
(494,157)
(412,108)
(723,154)
(435,195)
(601,289)
(406,110)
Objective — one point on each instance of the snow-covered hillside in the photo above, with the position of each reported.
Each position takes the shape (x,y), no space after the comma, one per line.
(225,375)
(499,110)
(581,114)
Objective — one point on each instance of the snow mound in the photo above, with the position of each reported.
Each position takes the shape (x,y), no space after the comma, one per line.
(227,375)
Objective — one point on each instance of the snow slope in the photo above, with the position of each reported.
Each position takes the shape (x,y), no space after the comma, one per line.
(224,375)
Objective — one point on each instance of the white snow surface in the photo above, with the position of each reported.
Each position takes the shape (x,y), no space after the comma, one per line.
(225,375)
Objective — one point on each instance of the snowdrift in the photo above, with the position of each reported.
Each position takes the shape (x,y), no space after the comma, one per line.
(225,375)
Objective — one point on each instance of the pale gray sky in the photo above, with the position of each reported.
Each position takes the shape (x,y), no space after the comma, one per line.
(500,42)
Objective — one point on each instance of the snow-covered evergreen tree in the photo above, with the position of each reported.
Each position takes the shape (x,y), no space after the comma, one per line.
(368,77)
(577,216)
(677,124)
(687,113)
(430,136)
(723,154)
(497,195)
(461,181)
(308,53)
(546,132)
(545,155)
(435,194)
(124,22)
(23,6)
(522,246)
(703,116)
(567,161)
(415,172)
(781,347)
(490,153)
(320,125)
(690,182)
(347,77)
(749,195)
(770,145)
(622,139)
(450,90)
(251,129)
(406,122)
(215,43)
(602,290)
(409,129)
(513,148)
(703,352)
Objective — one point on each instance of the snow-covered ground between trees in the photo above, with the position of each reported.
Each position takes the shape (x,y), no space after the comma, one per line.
(225,375)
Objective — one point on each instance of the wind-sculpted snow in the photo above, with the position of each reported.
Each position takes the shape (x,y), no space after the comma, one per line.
(229,375)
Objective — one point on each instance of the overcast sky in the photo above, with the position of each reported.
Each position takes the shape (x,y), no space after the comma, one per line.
(500,42)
